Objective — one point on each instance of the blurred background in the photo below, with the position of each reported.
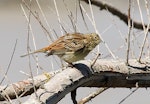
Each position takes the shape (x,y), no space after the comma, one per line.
(14,27)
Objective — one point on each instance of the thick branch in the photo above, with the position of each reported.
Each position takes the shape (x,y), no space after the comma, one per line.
(25,87)
(107,73)
(116,12)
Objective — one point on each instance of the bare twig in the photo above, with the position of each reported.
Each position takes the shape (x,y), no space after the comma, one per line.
(106,45)
(83,10)
(28,46)
(116,12)
(121,46)
(98,54)
(5,95)
(71,17)
(145,30)
(86,26)
(128,96)
(24,87)
(93,20)
(41,24)
(129,32)
(50,38)
(32,34)
(76,13)
(58,17)
(38,19)
(11,58)
(138,2)
(92,95)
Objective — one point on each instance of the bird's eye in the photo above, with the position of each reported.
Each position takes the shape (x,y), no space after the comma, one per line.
(95,37)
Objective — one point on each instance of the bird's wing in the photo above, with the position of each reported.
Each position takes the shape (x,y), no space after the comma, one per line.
(75,42)
(74,45)
(67,43)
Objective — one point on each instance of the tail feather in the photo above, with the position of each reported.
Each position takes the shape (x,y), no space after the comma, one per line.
(28,54)
(37,51)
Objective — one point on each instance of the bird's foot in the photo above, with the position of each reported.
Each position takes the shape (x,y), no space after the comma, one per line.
(68,65)
(71,65)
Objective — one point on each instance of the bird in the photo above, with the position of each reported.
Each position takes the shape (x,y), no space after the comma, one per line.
(71,47)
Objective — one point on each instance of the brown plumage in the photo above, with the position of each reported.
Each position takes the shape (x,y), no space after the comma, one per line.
(71,47)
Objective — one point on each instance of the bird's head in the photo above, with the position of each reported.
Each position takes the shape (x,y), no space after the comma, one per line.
(93,40)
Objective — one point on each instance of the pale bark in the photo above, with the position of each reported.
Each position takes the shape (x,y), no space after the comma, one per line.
(104,73)
(24,87)
(107,73)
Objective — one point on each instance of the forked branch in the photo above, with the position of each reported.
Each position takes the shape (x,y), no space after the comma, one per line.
(110,73)
(117,13)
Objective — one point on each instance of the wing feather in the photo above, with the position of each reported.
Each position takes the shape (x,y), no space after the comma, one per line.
(67,43)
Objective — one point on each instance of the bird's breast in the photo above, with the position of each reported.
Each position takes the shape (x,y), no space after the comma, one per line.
(74,56)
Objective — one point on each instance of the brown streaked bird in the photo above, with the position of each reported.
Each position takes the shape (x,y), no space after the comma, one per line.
(71,47)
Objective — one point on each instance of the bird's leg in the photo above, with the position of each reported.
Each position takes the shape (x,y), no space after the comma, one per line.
(70,65)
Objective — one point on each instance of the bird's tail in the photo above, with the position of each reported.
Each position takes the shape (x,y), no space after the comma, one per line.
(37,51)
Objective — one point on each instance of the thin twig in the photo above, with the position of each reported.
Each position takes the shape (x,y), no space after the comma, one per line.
(13,89)
(106,45)
(76,15)
(71,17)
(132,52)
(24,73)
(83,10)
(38,19)
(63,24)
(93,20)
(92,95)
(121,46)
(129,32)
(49,37)
(98,54)
(30,27)
(128,96)
(114,24)
(28,46)
(116,12)
(6,97)
(5,74)
(138,2)
(41,24)
(145,32)
(86,26)
(11,58)
(58,17)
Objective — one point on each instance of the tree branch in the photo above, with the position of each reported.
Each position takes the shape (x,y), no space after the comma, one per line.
(25,87)
(107,73)
(117,13)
